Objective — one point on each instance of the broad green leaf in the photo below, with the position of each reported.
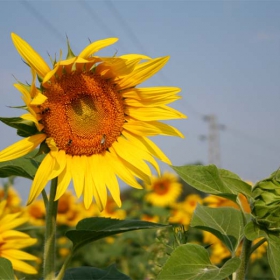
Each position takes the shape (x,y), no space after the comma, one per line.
(93,273)
(211,180)
(273,254)
(224,222)
(233,182)
(24,128)
(25,166)
(6,270)
(92,229)
(191,261)
(254,231)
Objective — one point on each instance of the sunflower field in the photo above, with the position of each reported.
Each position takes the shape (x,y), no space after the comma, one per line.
(87,126)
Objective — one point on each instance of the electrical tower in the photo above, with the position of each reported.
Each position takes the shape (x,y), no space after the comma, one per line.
(213,138)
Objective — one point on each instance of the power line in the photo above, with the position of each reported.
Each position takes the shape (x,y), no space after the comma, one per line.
(43,20)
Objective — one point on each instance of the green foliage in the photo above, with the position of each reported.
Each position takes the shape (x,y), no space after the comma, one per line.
(93,273)
(191,261)
(6,270)
(24,128)
(254,231)
(226,223)
(25,166)
(92,229)
(211,180)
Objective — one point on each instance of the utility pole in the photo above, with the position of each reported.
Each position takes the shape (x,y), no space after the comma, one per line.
(213,138)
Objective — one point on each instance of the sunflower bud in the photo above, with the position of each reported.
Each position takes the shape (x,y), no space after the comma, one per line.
(266,205)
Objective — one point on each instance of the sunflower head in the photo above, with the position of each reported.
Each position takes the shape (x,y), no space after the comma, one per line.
(163,190)
(94,119)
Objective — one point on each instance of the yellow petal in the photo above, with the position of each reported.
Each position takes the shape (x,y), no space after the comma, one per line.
(110,178)
(133,147)
(12,221)
(20,265)
(42,176)
(30,56)
(38,99)
(142,72)
(63,181)
(151,128)
(26,94)
(60,163)
(22,147)
(96,46)
(133,162)
(153,113)
(98,173)
(132,56)
(20,255)
(77,168)
(151,102)
(89,187)
(134,157)
(153,93)
(121,170)
(145,143)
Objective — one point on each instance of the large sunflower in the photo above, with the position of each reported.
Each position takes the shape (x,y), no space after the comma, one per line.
(94,120)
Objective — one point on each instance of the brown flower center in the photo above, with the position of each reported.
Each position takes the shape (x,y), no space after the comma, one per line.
(83,113)
(161,187)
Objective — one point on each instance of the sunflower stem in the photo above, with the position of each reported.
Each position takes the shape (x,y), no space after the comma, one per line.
(49,249)
(245,256)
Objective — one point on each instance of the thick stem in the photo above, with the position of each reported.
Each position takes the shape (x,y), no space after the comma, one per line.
(245,256)
(49,249)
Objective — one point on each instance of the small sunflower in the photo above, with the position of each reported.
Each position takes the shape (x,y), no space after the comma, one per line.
(163,190)
(12,241)
(94,120)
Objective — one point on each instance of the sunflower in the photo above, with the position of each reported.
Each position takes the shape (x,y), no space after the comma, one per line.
(163,190)
(94,120)
(12,241)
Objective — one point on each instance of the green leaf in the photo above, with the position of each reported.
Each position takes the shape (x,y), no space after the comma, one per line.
(93,273)
(273,254)
(254,231)
(25,166)
(6,270)
(191,261)
(92,229)
(211,180)
(24,128)
(233,182)
(225,222)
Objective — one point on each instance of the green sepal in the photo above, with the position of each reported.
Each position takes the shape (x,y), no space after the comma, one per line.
(24,128)
(23,107)
(70,53)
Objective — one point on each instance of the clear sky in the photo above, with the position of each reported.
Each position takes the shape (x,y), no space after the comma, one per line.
(225,56)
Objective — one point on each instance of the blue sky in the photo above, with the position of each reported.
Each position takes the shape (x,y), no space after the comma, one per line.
(224,55)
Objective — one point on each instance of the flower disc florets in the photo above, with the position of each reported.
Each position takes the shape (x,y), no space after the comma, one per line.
(84,113)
